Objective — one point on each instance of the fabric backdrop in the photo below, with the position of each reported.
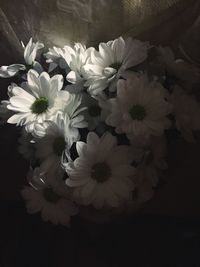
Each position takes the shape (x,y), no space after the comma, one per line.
(57,22)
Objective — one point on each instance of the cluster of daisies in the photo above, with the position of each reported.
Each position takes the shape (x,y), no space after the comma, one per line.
(95,123)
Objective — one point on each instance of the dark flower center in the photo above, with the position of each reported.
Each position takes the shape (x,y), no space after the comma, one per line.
(101,172)
(40,105)
(59,145)
(94,111)
(137,112)
(50,195)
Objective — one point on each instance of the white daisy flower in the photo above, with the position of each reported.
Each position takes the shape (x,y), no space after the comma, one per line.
(55,143)
(187,113)
(101,175)
(54,206)
(76,59)
(107,65)
(30,51)
(140,107)
(55,59)
(38,103)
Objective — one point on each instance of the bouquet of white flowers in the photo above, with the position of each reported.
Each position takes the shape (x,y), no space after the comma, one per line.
(95,123)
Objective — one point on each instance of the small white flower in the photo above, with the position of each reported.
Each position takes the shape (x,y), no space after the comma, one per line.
(101,175)
(38,103)
(55,59)
(140,107)
(54,206)
(30,51)
(187,113)
(113,58)
(76,59)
